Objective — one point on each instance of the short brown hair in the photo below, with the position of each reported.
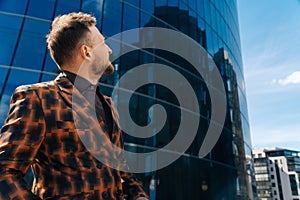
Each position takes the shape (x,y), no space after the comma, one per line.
(67,32)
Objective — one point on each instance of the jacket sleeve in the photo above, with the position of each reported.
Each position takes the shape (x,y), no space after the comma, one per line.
(132,186)
(20,139)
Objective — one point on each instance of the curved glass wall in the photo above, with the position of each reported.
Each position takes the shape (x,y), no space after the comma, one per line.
(226,173)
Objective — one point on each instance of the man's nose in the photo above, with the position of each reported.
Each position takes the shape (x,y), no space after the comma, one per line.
(109,49)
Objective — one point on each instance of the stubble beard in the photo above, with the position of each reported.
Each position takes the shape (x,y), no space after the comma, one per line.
(99,72)
(109,70)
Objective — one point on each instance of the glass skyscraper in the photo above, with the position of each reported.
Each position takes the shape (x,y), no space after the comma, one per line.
(227,171)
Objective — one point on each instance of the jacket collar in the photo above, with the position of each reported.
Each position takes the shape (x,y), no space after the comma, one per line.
(74,98)
(85,118)
(64,84)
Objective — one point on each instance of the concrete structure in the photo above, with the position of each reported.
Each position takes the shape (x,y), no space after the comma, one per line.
(277,173)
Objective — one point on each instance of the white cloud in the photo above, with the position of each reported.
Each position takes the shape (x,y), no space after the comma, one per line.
(293,78)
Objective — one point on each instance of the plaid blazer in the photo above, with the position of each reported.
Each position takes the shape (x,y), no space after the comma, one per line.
(40,132)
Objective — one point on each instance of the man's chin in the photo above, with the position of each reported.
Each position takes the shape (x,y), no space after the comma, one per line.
(109,70)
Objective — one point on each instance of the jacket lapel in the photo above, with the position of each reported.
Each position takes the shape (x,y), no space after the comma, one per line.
(76,101)
(86,123)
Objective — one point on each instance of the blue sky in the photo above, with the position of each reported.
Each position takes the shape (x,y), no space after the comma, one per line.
(270,38)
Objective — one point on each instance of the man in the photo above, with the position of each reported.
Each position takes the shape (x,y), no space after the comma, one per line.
(46,122)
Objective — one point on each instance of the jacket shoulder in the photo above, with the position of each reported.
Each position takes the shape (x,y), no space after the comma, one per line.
(35,86)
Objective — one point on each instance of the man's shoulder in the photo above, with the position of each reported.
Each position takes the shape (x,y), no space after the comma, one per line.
(46,85)
(35,86)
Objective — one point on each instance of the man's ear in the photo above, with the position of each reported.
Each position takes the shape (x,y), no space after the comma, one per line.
(84,52)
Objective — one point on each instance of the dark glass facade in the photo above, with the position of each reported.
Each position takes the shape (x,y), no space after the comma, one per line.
(227,171)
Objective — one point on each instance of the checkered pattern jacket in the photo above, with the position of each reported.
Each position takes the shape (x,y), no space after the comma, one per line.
(40,131)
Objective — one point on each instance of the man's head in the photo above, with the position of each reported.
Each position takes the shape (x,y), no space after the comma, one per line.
(74,38)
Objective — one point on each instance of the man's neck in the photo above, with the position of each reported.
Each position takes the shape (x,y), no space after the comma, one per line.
(86,74)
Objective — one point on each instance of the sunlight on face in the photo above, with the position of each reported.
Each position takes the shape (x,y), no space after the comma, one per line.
(100,54)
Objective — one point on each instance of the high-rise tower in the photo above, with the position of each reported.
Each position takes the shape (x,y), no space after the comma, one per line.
(227,171)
